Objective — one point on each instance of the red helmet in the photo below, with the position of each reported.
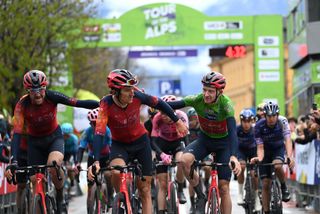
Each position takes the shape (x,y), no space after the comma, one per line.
(214,79)
(93,114)
(169,98)
(34,79)
(120,78)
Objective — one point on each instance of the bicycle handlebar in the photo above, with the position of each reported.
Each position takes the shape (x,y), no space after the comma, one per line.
(37,168)
(211,164)
(274,164)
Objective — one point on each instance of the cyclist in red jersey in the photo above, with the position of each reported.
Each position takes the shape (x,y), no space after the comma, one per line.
(121,112)
(37,112)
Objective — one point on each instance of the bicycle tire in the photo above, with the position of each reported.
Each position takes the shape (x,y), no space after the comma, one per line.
(25,205)
(37,205)
(276,201)
(249,197)
(213,204)
(50,204)
(119,205)
(97,202)
(91,200)
(173,203)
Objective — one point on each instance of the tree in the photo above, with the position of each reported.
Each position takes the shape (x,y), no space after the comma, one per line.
(33,34)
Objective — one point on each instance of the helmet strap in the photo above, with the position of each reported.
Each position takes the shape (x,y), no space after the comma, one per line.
(218,93)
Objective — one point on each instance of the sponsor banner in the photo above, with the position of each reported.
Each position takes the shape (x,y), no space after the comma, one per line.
(163,53)
(269,76)
(305,163)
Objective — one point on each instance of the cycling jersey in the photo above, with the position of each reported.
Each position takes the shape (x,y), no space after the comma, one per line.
(246,139)
(41,120)
(124,123)
(71,144)
(86,141)
(167,131)
(272,136)
(216,119)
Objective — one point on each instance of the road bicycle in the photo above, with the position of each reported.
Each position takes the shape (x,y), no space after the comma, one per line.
(127,199)
(213,198)
(275,194)
(249,197)
(172,197)
(44,195)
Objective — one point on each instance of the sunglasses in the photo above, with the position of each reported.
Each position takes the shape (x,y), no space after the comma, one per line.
(36,90)
(130,82)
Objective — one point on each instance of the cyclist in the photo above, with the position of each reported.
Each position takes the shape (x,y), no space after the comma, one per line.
(121,112)
(247,150)
(37,110)
(272,136)
(218,134)
(167,143)
(260,114)
(194,131)
(148,124)
(86,143)
(70,151)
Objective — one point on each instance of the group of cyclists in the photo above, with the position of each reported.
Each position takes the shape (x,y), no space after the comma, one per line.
(116,135)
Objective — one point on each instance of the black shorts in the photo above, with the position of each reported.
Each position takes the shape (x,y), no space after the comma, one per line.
(170,148)
(139,149)
(39,148)
(245,154)
(271,154)
(104,161)
(205,145)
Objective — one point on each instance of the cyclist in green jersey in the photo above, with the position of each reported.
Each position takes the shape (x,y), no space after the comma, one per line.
(217,134)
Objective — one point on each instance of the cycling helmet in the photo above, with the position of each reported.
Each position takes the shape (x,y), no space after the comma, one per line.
(191,113)
(34,79)
(260,107)
(271,108)
(93,114)
(169,98)
(120,78)
(152,111)
(246,114)
(67,128)
(214,79)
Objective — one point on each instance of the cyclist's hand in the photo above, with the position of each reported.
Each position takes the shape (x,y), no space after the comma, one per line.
(237,166)
(182,129)
(10,169)
(77,168)
(91,174)
(165,158)
(254,160)
(292,163)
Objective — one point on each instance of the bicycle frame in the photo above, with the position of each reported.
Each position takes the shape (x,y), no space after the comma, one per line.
(124,175)
(40,177)
(214,184)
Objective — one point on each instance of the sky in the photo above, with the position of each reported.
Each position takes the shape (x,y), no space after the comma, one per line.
(191,68)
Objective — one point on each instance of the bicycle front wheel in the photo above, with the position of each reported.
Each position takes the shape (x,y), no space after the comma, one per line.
(276,201)
(213,204)
(25,205)
(119,205)
(173,204)
(51,204)
(37,206)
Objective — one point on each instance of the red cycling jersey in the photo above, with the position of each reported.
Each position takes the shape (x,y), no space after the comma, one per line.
(41,120)
(124,123)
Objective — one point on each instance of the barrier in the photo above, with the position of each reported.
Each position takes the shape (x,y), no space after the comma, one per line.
(7,193)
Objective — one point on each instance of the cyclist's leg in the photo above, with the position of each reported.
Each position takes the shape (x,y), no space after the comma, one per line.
(21,181)
(242,159)
(224,176)
(90,184)
(278,157)
(265,175)
(143,154)
(104,162)
(179,175)
(162,191)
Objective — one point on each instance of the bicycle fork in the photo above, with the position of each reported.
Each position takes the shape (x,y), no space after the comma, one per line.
(123,188)
(39,190)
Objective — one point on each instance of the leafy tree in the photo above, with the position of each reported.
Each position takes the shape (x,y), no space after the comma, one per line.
(31,32)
